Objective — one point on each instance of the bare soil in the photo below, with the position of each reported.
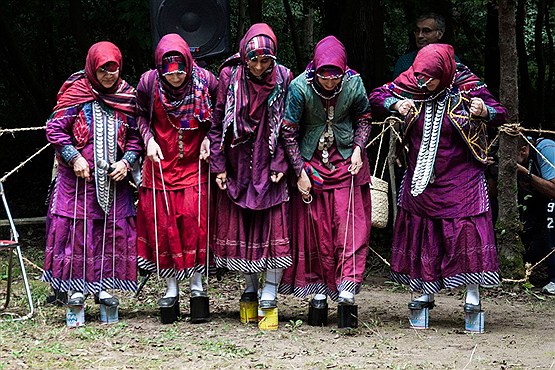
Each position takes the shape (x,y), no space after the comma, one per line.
(520,333)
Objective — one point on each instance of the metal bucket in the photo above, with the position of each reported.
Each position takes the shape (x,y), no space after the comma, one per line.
(419,318)
(268,319)
(75,316)
(475,322)
(108,314)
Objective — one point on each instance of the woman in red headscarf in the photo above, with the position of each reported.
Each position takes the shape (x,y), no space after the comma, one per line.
(443,234)
(251,232)
(326,128)
(174,115)
(90,227)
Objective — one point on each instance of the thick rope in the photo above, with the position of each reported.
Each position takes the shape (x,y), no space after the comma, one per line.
(13,130)
(23,163)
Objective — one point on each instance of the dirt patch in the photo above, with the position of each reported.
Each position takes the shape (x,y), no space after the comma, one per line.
(520,331)
(519,334)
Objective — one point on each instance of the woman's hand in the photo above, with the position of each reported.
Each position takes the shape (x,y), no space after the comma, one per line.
(303,184)
(81,168)
(205,149)
(276,176)
(153,151)
(221,180)
(356,161)
(120,171)
(404,106)
(478,108)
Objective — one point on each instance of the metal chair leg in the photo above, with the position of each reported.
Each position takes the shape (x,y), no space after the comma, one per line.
(9,283)
(25,283)
(13,247)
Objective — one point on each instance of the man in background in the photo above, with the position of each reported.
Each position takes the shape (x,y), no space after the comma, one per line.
(536,181)
(429,29)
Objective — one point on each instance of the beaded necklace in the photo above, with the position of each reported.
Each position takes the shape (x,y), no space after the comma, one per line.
(327,137)
(423,171)
(104,139)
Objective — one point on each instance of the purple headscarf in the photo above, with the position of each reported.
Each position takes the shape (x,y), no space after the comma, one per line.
(250,96)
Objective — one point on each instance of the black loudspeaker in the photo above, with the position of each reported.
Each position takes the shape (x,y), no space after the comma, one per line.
(204,24)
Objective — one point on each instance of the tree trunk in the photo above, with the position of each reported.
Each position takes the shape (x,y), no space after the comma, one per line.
(361,31)
(255,11)
(78,26)
(294,35)
(549,82)
(307,41)
(492,62)
(240,23)
(527,94)
(540,60)
(509,244)
(20,71)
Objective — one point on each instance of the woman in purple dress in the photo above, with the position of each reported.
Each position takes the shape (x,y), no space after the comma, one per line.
(90,225)
(251,226)
(326,128)
(444,235)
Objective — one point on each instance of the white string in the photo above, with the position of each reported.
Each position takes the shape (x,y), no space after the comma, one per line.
(114,238)
(103,244)
(315,236)
(351,188)
(378,156)
(12,130)
(73,232)
(155,221)
(352,199)
(23,163)
(199,189)
(85,237)
(163,186)
(208,228)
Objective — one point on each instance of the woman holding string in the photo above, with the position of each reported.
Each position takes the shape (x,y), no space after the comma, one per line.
(174,114)
(251,231)
(443,236)
(326,127)
(90,225)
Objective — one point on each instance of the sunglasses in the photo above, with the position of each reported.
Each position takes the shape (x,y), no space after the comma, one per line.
(109,70)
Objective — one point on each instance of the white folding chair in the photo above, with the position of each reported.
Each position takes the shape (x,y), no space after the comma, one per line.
(12,246)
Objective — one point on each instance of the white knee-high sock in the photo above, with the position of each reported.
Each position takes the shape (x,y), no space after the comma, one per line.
(425,298)
(251,281)
(104,294)
(195,282)
(173,288)
(345,294)
(273,277)
(472,294)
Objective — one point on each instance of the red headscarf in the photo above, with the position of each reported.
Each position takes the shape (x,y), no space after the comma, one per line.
(83,86)
(434,61)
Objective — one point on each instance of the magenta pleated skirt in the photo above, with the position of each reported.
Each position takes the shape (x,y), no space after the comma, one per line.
(429,254)
(91,255)
(329,241)
(249,240)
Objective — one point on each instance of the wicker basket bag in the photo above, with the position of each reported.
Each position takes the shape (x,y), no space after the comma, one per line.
(379,193)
